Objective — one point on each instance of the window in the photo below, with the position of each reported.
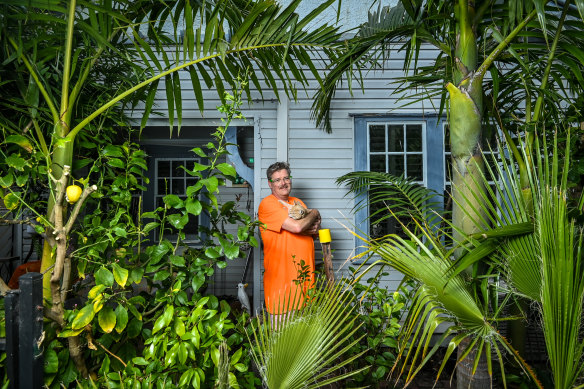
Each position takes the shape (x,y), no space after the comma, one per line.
(399,145)
(171,178)
(397,148)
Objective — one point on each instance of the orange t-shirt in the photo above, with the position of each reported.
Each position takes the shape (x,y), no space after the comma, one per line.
(281,250)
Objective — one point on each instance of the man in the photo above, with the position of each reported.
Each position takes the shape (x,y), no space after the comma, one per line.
(287,242)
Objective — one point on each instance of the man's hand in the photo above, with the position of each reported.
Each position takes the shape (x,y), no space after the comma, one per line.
(305,225)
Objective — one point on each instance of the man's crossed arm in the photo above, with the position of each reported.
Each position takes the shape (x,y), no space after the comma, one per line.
(308,225)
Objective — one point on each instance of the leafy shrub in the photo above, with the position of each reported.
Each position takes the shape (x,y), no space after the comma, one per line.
(380,312)
(140,306)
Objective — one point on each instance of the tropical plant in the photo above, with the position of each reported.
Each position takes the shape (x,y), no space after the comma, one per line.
(380,313)
(524,45)
(70,64)
(446,294)
(309,345)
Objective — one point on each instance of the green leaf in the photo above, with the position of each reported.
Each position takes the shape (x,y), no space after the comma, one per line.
(172,201)
(193,206)
(161,275)
(233,381)
(96,291)
(212,252)
(51,361)
(120,274)
(182,353)
(83,317)
(104,277)
(164,319)
(140,361)
(7,180)
(114,162)
(107,319)
(179,327)
(16,162)
(197,282)
(69,333)
(112,151)
(135,312)
(231,251)
(199,152)
(212,183)
(157,252)
(119,231)
(177,260)
(150,226)
(215,355)
(121,318)
(178,221)
(22,142)
(227,169)
(11,201)
(134,328)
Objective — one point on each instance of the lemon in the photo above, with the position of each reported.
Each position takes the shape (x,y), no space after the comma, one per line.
(73,193)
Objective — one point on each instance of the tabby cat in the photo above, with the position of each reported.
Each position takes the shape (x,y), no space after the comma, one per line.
(296,211)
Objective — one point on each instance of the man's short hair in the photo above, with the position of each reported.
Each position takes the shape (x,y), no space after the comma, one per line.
(277,166)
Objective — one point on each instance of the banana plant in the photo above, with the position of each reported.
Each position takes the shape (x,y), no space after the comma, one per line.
(55,50)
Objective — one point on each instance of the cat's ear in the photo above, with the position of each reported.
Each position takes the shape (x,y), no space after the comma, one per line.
(296,202)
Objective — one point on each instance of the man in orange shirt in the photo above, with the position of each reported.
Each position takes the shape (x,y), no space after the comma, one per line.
(287,242)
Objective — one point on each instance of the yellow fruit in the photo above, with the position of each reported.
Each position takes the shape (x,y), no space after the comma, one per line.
(121,252)
(73,193)
(38,219)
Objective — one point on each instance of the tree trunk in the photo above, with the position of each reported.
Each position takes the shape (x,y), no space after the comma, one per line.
(464,377)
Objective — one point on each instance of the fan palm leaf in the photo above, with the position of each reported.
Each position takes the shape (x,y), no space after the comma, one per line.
(304,349)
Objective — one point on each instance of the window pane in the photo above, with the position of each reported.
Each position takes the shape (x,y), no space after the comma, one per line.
(163,169)
(396,165)
(377,138)
(415,167)
(395,138)
(191,181)
(377,163)
(162,187)
(177,171)
(178,186)
(447,138)
(414,137)
(448,167)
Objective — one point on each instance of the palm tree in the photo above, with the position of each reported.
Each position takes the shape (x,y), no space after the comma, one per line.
(525,46)
(552,280)
(55,50)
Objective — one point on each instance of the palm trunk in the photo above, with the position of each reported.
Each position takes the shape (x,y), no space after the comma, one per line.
(465,121)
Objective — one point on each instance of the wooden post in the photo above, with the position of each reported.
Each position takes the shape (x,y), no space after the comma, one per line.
(327,257)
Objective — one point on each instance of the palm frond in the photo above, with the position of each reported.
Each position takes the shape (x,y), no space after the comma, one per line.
(561,245)
(440,298)
(393,197)
(304,350)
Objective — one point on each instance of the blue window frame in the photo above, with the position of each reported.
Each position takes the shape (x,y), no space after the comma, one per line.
(399,144)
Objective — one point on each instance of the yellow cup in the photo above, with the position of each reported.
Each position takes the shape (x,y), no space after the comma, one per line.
(324,235)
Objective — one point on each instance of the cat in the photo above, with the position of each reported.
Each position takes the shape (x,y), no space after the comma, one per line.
(296,211)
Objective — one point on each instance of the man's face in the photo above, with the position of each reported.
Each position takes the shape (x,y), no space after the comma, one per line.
(280,187)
